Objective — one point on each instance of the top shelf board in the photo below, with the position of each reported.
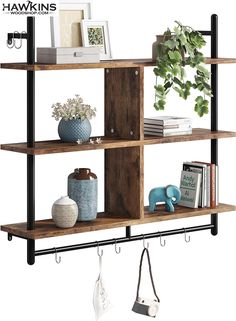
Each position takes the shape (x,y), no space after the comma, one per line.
(122,63)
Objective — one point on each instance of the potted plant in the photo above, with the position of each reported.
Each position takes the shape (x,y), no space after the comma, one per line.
(175,52)
(74,124)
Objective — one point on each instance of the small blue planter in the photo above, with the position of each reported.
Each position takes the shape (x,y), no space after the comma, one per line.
(72,130)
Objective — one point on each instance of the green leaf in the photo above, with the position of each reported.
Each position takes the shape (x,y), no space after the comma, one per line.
(203,70)
(171,44)
(179,91)
(178,82)
(199,100)
(160,89)
(176,70)
(175,55)
(160,104)
(188,84)
(168,85)
(182,39)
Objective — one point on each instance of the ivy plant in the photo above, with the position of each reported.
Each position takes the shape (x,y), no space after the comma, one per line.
(178,50)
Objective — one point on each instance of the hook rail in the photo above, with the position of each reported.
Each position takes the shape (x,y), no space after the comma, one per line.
(123,239)
(16,35)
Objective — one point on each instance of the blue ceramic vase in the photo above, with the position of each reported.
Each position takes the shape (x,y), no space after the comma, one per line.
(82,188)
(72,130)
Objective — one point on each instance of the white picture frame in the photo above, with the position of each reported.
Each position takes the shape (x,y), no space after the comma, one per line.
(65,27)
(96,33)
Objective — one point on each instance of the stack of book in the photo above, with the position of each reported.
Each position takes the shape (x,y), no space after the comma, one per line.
(167,126)
(199,185)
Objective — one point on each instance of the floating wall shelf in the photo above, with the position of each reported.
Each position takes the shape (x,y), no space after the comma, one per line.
(46,228)
(123,148)
(57,146)
(121,63)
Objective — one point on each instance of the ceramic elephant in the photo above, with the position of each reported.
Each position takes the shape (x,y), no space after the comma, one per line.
(170,195)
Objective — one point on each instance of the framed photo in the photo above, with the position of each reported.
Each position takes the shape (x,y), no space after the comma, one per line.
(66,28)
(96,34)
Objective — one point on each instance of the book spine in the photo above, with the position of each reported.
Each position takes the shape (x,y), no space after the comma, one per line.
(205,187)
(208,186)
(167,122)
(167,128)
(176,133)
(217,184)
(166,131)
(213,186)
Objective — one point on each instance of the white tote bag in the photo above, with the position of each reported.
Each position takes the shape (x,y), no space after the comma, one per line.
(101,301)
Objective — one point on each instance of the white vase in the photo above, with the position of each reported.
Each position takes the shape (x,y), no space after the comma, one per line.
(65,212)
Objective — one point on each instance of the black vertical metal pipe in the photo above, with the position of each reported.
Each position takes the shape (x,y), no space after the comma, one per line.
(214,104)
(30,137)
(30,82)
(128,231)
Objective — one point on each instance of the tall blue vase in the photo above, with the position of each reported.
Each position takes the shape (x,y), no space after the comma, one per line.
(74,129)
(82,188)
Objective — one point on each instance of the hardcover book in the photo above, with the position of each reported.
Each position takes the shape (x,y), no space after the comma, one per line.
(167,120)
(165,134)
(190,189)
(211,183)
(168,127)
(199,168)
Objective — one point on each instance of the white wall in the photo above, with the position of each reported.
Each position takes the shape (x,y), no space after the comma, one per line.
(195,280)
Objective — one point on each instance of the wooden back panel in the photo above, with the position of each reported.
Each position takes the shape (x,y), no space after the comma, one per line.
(124,120)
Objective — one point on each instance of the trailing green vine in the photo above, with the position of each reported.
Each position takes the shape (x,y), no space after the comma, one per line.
(178,50)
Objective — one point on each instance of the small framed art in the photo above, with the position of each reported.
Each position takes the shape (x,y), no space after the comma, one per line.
(96,34)
(66,27)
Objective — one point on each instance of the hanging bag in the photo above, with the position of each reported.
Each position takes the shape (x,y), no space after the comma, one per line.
(143,306)
(101,301)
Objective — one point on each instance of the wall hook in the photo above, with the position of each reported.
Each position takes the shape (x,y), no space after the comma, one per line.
(162,243)
(146,246)
(186,238)
(100,254)
(11,43)
(20,37)
(57,258)
(117,250)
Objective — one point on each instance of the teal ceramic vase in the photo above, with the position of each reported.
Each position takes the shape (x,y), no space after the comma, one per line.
(74,130)
(82,188)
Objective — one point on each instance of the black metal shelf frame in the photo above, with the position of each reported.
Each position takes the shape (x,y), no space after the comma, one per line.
(31,253)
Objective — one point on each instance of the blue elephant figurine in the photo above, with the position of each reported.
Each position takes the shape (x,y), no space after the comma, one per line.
(170,195)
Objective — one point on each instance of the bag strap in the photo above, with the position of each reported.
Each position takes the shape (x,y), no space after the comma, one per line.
(145,250)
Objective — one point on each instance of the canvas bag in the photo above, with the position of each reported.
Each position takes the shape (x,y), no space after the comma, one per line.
(101,301)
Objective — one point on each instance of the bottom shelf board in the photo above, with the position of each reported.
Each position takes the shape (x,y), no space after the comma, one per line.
(47,228)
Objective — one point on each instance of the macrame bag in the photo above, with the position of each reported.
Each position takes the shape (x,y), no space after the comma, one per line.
(101,301)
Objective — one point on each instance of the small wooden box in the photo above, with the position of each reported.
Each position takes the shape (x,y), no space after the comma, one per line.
(66,55)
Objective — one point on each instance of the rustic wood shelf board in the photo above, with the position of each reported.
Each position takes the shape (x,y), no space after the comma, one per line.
(56,146)
(121,63)
(47,228)
(197,134)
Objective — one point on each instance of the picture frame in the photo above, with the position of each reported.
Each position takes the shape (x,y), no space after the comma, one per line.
(65,27)
(96,33)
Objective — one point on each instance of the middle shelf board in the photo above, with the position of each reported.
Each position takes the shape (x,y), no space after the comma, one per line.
(47,228)
(56,146)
